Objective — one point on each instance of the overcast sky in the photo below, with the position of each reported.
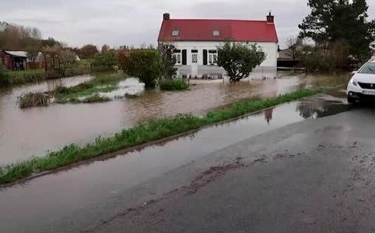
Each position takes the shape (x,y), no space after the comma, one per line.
(133,22)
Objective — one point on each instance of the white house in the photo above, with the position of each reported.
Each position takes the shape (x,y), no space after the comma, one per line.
(196,42)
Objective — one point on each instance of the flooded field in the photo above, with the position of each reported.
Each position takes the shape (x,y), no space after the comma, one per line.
(32,132)
(40,204)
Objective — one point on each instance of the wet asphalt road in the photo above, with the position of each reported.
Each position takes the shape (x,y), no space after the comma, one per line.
(313,176)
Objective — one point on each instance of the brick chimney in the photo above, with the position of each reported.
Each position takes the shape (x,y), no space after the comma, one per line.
(270,18)
(166,16)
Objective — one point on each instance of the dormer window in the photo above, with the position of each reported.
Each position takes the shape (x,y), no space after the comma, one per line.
(175,32)
(216,33)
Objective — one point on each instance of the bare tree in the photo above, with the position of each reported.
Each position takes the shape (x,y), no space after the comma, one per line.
(293,43)
(105,48)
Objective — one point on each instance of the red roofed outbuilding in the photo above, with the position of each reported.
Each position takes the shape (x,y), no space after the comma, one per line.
(196,42)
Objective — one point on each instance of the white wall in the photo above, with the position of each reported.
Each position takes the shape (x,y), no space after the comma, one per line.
(268,66)
(270,49)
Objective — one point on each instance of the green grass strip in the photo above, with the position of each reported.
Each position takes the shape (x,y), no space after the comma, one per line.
(142,133)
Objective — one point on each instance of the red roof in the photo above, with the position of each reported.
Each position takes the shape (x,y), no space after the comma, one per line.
(202,30)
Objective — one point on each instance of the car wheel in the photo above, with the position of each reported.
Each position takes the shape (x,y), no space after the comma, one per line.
(351,100)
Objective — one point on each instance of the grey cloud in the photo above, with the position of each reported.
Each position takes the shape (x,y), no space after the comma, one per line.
(133,22)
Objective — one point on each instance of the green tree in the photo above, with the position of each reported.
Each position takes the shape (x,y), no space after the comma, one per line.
(238,60)
(107,59)
(167,61)
(339,21)
(50,42)
(88,51)
(143,64)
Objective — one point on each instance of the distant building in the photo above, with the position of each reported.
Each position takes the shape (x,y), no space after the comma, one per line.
(196,42)
(14,60)
(288,58)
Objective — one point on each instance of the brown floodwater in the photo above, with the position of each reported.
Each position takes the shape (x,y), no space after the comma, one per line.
(75,200)
(35,131)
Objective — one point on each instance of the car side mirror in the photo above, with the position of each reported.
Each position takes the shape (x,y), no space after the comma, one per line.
(354,72)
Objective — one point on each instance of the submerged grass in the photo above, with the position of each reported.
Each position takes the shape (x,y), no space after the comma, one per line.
(33,99)
(90,89)
(102,83)
(96,98)
(137,135)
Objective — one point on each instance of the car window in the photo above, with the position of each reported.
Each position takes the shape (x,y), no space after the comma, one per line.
(368,68)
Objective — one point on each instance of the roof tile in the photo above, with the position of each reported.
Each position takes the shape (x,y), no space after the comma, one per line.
(202,30)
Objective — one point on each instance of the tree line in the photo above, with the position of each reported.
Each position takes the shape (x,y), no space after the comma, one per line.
(16,37)
(341,31)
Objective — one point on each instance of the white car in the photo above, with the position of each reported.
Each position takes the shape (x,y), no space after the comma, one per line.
(362,84)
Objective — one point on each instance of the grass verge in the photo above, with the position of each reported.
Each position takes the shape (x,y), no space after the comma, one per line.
(143,133)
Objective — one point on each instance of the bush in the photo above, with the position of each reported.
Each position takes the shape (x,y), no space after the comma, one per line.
(238,60)
(33,99)
(74,71)
(102,69)
(108,60)
(173,85)
(325,58)
(143,64)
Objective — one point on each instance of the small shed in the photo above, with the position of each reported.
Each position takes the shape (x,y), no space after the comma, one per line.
(14,60)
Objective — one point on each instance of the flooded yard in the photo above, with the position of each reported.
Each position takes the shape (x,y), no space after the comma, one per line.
(32,132)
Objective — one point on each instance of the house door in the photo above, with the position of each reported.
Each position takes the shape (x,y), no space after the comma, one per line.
(194,63)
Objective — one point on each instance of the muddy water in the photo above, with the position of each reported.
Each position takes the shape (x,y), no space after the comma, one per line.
(53,201)
(32,132)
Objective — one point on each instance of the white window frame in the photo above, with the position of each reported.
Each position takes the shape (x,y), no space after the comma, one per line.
(212,58)
(178,58)
(216,33)
(194,58)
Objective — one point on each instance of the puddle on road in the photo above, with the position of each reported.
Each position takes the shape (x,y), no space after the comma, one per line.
(58,195)
(325,105)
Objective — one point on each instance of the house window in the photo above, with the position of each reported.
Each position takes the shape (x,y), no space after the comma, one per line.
(215,33)
(175,32)
(177,57)
(194,58)
(212,57)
